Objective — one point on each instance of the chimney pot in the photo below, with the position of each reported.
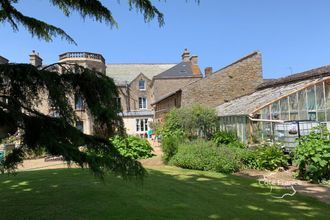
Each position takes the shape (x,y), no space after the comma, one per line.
(35,59)
(185,55)
(208,71)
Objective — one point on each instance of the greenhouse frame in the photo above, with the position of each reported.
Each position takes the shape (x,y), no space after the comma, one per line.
(299,97)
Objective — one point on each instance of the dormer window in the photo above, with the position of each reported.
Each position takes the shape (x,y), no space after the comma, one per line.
(142,84)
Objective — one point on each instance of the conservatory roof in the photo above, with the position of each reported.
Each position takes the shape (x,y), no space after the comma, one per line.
(247,105)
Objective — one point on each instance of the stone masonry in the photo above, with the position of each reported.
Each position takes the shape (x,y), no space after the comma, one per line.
(235,80)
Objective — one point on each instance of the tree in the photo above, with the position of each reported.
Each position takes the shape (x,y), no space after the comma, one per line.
(191,122)
(23,86)
(91,8)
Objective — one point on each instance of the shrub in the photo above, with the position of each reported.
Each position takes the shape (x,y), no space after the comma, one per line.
(312,156)
(133,147)
(170,146)
(249,158)
(189,122)
(227,138)
(205,155)
(265,157)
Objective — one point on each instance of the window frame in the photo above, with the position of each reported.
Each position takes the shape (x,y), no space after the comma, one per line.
(143,104)
(144,85)
(141,125)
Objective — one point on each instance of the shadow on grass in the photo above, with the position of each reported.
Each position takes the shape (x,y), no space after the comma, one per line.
(166,193)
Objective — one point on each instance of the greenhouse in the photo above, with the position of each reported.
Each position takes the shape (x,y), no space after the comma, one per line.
(274,111)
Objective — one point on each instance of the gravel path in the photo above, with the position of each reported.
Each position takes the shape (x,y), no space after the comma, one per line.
(155,160)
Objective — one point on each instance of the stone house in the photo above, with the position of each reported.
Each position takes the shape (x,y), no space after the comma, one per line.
(138,86)
(234,80)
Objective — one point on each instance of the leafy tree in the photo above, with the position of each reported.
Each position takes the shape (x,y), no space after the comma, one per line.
(22,88)
(191,122)
(86,8)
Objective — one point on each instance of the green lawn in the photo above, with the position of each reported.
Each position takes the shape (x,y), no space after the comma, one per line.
(167,193)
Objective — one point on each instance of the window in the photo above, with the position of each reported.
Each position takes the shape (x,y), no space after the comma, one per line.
(117,101)
(80,125)
(142,84)
(79,102)
(142,125)
(142,103)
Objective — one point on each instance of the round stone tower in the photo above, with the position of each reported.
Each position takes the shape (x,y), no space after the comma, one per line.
(88,60)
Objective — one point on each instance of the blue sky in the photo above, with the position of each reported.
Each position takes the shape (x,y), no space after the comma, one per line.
(292,35)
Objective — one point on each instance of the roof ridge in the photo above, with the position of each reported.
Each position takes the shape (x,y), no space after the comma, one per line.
(141,63)
(315,72)
(239,60)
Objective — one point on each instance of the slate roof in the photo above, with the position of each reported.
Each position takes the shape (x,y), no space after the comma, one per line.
(125,73)
(3,59)
(180,70)
(247,105)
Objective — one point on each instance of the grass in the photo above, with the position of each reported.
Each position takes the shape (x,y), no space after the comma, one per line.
(167,193)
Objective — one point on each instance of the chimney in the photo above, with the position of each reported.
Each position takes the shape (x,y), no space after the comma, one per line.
(3,60)
(194,59)
(208,71)
(35,59)
(185,55)
(194,65)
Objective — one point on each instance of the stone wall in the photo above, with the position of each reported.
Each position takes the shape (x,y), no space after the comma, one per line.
(165,105)
(129,96)
(162,87)
(235,80)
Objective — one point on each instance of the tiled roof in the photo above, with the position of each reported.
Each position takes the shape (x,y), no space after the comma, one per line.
(180,70)
(313,73)
(125,73)
(248,104)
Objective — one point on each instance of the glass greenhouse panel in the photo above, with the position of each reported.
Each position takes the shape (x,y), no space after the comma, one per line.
(293,99)
(284,103)
(303,115)
(321,116)
(327,94)
(267,133)
(311,102)
(294,116)
(265,113)
(275,110)
(302,105)
(319,96)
